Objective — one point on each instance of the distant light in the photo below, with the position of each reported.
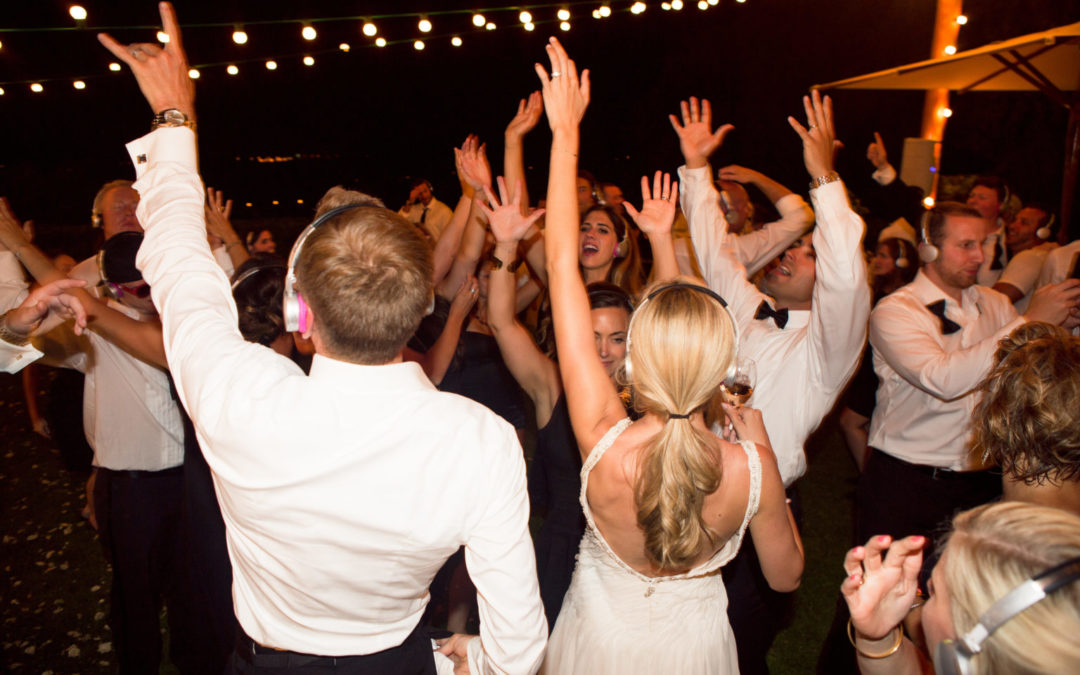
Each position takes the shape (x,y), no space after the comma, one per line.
(961,20)
(637,8)
(271,65)
(605,11)
(344,46)
(308,33)
(232,70)
(309,60)
(950,50)
(530,26)
(424,26)
(380,42)
(299,201)
(37,88)
(490,25)
(676,5)
(702,4)
(1,91)
(928,202)
(193,74)
(740,1)
(665,6)
(247,204)
(525,17)
(456,41)
(563,14)
(1,45)
(478,20)
(946,112)
(115,67)
(933,169)
(564,26)
(79,84)
(418,45)
(370,29)
(239,37)
(162,37)
(77,12)
(275,202)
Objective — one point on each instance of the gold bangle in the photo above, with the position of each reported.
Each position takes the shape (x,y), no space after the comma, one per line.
(892,650)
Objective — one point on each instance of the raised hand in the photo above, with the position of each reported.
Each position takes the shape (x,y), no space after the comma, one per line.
(528,114)
(217,216)
(875,152)
(697,140)
(880,590)
(657,212)
(737,174)
(472,162)
(465,298)
(819,140)
(46,307)
(507,222)
(565,96)
(162,72)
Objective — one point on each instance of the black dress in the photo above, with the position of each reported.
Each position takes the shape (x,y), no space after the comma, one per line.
(478,372)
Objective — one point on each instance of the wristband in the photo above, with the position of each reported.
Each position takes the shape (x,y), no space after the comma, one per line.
(497,264)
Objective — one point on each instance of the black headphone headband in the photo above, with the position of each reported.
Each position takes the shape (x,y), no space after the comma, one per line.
(253,270)
(694,287)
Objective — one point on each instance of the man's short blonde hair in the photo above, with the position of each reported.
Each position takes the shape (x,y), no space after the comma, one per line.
(367,276)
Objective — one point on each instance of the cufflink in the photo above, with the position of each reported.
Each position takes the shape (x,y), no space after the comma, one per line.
(140,159)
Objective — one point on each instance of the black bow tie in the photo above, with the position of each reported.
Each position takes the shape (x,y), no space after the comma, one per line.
(780,316)
(948,326)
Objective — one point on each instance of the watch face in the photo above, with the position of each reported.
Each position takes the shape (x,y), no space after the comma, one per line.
(174,117)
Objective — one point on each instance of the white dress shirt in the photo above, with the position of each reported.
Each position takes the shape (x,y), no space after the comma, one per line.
(994,243)
(438,216)
(753,250)
(802,368)
(343,492)
(925,395)
(1022,272)
(13,358)
(1058,264)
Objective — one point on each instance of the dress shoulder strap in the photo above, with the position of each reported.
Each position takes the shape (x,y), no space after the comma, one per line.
(753,463)
(601,447)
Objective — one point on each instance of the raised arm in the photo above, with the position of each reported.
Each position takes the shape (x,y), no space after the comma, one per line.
(449,242)
(477,171)
(591,397)
(528,114)
(536,374)
(655,219)
(436,361)
(219,226)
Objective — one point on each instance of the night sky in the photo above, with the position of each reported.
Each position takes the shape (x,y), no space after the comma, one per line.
(371,117)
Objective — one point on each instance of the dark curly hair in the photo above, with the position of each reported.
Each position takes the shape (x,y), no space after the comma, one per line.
(258,286)
(1028,420)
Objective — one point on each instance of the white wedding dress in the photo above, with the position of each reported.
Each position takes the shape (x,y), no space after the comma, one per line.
(617,620)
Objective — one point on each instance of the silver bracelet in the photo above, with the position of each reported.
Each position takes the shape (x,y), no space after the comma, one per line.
(830,177)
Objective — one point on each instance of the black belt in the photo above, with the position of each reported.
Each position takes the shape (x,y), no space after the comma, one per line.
(132,473)
(931,472)
(415,649)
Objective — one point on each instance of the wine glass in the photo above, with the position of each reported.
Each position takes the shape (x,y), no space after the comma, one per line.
(738,388)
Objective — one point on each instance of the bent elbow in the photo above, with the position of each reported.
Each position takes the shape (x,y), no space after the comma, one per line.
(787,585)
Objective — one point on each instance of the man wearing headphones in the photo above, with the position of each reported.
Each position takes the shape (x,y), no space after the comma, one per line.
(1028,239)
(424,211)
(934,341)
(345,490)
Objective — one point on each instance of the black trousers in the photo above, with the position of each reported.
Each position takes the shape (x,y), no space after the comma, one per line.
(414,656)
(138,515)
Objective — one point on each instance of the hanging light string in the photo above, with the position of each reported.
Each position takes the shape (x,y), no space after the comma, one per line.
(596,9)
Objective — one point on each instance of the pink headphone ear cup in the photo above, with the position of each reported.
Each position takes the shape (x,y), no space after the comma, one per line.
(303,313)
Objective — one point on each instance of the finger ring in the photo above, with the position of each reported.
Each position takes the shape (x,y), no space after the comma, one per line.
(813,126)
(555,73)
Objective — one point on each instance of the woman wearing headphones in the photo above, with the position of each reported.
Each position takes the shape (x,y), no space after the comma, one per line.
(1004,597)
(665,500)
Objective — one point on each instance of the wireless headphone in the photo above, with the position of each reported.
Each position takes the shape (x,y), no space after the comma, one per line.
(901,258)
(928,253)
(294,309)
(1046,230)
(628,365)
(954,657)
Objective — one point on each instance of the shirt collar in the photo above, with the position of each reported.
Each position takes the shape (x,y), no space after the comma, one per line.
(407,375)
(927,292)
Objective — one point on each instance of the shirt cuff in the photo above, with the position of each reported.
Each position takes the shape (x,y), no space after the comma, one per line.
(885,175)
(14,358)
(702,173)
(163,145)
(789,203)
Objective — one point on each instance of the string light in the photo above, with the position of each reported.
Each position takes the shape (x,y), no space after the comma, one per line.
(380,42)
(676,5)
(530,26)
(271,65)
(1,91)
(490,25)
(945,112)
(456,41)
(740,1)
(193,74)
(115,67)
(239,37)
(309,60)
(714,3)
(77,12)
(564,26)
(232,70)
(605,11)
(596,14)
(928,202)
(79,84)
(370,29)
(418,45)
(950,50)
(344,46)
(525,17)
(563,14)
(424,26)
(961,20)
(702,5)
(162,37)
(308,33)
(37,88)
(637,8)
(665,6)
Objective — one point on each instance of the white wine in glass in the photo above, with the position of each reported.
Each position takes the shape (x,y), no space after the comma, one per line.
(740,387)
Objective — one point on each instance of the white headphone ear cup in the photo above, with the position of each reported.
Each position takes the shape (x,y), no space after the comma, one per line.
(902,262)
(928,253)
(622,249)
(1043,233)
